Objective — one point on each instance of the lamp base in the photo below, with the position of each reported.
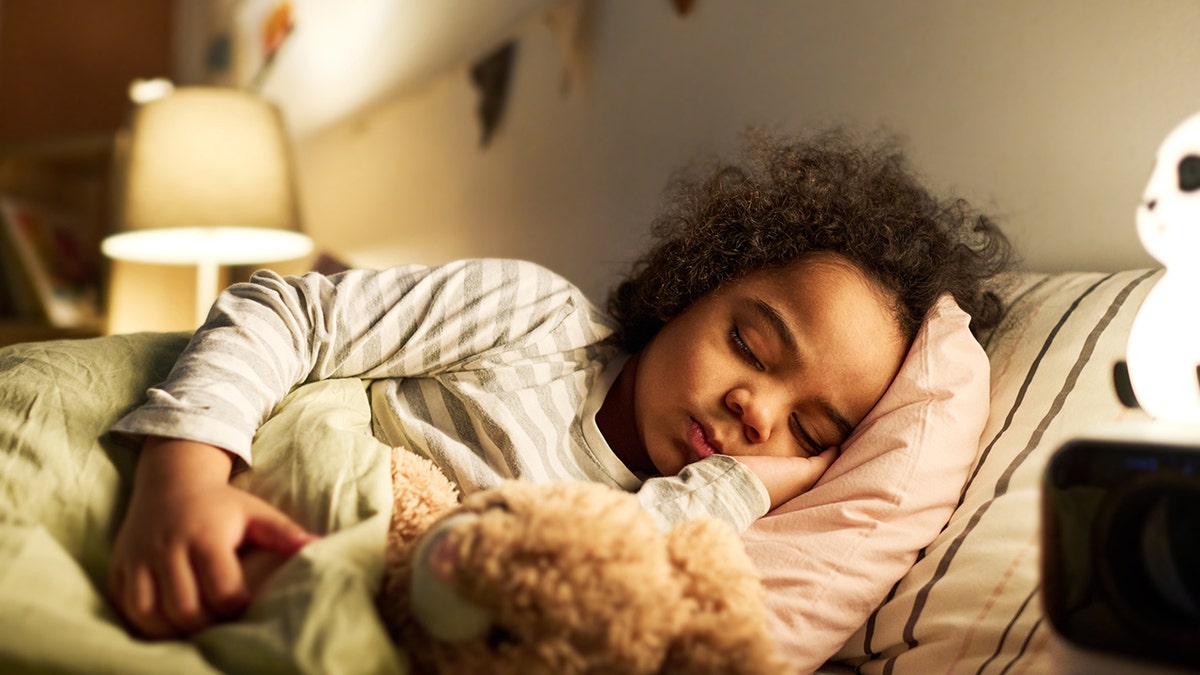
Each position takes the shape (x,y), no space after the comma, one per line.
(207,288)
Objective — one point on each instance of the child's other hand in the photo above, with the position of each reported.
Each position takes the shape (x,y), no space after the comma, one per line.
(174,568)
(788,477)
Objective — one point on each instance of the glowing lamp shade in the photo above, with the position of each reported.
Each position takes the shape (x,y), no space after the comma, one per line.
(1163,353)
(207,182)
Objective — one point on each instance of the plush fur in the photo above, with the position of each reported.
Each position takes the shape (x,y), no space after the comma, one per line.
(575,578)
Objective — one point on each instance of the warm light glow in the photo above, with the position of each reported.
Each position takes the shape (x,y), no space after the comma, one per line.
(208,157)
(145,91)
(1163,353)
(1162,349)
(1161,344)
(223,245)
(207,181)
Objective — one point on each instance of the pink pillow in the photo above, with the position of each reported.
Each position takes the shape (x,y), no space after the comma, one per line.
(831,555)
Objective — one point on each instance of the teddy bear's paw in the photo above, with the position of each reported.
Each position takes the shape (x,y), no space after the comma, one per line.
(435,604)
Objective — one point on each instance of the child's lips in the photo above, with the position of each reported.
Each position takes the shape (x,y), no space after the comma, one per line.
(698,440)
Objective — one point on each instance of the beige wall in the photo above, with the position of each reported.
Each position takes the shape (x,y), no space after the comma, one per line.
(1046,112)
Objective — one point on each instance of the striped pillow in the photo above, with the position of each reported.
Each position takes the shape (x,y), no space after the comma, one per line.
(971,602)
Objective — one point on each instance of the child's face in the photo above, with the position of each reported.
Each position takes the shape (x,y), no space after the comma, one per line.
(783,362)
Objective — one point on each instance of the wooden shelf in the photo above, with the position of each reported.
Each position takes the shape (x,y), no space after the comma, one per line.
(15,331)
(66,68)
(71,176)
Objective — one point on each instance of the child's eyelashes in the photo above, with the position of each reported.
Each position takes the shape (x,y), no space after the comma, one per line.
(810,444)
(798,431)
(744,348)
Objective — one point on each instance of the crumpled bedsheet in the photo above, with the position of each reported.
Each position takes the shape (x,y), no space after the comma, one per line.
(64,483)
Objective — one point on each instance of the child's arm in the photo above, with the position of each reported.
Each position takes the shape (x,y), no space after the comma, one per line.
(736,490)
(174,568)
(269,335)
(262,339)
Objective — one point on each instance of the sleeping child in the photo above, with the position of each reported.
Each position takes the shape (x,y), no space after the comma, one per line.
(773,310)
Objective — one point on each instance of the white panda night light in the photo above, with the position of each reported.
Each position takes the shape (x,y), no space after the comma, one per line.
(1163,353)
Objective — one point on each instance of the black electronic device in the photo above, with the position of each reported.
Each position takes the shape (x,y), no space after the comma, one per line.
(1121,547)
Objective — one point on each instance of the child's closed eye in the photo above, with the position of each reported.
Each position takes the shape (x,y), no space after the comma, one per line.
(747,354)
(806,441)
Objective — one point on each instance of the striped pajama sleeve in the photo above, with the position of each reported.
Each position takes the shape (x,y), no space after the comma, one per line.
(483,366)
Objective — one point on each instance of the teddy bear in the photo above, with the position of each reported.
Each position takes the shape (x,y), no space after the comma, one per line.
(563,578)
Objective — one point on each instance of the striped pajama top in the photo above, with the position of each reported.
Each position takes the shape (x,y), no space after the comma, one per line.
(493,369)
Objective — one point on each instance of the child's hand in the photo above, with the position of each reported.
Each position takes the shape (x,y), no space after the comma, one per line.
(788,477)
(174,568)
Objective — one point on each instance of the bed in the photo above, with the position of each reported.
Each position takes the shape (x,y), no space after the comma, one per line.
(970,603)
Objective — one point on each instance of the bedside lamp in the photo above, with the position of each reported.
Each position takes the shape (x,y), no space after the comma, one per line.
(207,182)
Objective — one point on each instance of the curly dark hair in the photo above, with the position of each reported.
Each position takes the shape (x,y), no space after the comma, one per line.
(791,196)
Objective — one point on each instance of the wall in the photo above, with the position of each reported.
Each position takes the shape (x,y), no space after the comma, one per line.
(65,66)
(1045,113)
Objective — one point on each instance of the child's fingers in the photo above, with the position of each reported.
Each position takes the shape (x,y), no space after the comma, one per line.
(806,471)
(826,459)
(258,565)
(116,586)
(788,477)
(140,592)
(180,593)
(272,530)
(222,584)
(139,602)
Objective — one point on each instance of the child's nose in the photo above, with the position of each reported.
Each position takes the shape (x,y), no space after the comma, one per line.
(755,412)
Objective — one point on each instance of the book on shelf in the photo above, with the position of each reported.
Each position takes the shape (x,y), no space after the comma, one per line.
(51,265)
(17,299)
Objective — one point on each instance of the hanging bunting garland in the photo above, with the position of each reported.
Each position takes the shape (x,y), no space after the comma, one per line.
(683,7)
(568,22)
(276,28)
(491,76)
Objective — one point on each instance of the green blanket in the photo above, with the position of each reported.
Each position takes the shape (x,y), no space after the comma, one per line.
(63,487)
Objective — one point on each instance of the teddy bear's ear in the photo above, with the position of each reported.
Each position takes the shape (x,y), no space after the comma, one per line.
(723,628)
(421,494)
